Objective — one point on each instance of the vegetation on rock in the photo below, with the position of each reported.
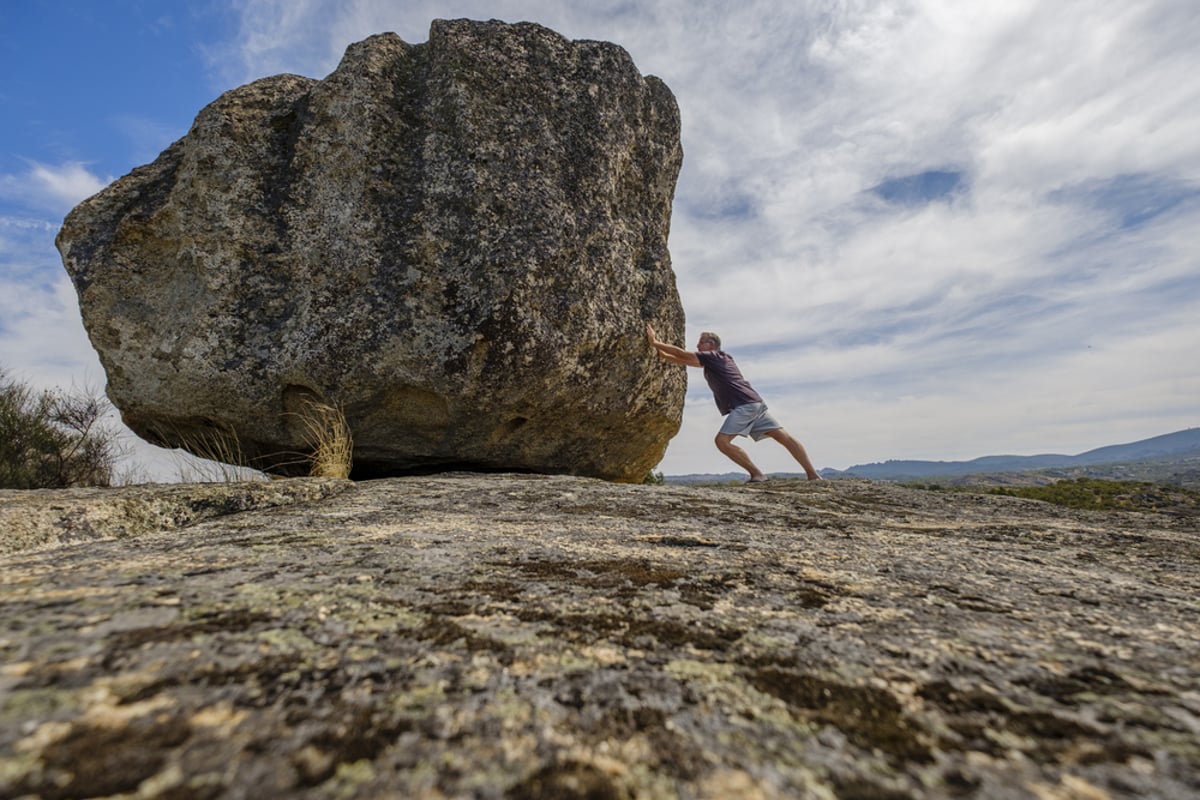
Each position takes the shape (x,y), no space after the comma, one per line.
(54,439)
(1105,495)
(331,440)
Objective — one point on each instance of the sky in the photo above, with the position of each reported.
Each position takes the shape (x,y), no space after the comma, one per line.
(926,229)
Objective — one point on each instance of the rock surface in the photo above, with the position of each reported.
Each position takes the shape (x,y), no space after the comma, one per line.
(48,517)
(504,636)
(457,241)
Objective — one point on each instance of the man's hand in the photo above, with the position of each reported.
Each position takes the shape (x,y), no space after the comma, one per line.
(670,352)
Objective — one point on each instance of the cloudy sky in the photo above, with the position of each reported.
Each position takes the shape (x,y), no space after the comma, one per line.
(933,229)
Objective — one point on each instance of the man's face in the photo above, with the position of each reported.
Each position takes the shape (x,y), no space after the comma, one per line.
(706,344)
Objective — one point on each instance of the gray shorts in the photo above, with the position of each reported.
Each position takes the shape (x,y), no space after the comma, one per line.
(751,420)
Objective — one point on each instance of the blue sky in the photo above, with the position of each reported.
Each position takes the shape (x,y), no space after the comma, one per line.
(925,229)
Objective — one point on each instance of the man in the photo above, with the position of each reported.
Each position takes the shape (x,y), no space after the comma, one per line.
(745,412)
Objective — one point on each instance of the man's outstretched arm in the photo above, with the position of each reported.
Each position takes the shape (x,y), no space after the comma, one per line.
(670,352)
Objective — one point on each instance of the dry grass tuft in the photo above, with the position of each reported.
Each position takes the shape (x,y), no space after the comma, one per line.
(215,457)
(330,439)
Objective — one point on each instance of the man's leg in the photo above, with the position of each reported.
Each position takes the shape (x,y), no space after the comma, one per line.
(797,450)
(740,457)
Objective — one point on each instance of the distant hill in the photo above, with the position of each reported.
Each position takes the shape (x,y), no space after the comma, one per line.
(1168,448)
(1171,446)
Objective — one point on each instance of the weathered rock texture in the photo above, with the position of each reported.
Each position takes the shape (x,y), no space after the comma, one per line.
(457,241)
(48,517)
(502,636)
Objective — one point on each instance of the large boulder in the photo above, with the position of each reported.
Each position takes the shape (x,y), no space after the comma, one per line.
(457,242)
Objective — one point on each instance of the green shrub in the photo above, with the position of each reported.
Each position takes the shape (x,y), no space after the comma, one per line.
(1105,495)
(54,440)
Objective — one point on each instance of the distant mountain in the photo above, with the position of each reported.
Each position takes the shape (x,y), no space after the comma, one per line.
(1181,444)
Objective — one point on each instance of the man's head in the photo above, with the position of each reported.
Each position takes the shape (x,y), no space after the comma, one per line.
(708,341)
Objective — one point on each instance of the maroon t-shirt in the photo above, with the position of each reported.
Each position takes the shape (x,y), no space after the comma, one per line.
(729,388)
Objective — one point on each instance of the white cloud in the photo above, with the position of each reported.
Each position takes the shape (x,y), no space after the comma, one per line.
(42,338)
(52,187)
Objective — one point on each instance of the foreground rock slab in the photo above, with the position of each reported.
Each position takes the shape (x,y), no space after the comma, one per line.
(48,517)
(500,636)
(457,243)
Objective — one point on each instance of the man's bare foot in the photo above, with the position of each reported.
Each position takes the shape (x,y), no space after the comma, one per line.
(758,479)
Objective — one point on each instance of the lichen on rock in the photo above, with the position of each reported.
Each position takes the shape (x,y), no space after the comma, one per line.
(520,636)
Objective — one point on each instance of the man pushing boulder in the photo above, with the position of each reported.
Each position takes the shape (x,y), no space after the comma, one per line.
(744,410)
